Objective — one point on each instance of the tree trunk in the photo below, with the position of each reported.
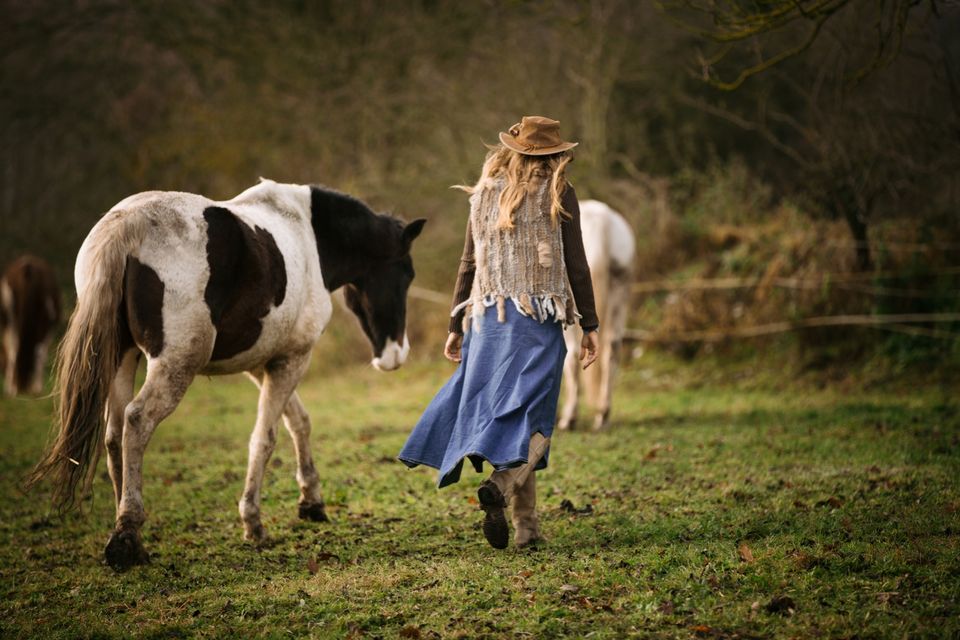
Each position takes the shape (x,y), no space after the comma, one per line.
(857,222)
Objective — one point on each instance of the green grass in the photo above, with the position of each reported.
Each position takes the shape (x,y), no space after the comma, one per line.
(848,503)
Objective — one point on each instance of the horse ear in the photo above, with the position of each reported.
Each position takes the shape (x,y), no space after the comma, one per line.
(412,230)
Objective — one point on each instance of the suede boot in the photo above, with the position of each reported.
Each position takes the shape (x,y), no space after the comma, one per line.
(496,493)
(526,526)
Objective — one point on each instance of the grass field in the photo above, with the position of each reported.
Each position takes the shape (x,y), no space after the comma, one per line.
(720,509)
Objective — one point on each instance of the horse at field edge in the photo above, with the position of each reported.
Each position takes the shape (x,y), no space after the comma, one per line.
(29,313)
(215,287)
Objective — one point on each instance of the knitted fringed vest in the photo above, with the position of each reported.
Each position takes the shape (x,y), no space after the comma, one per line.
(524,264)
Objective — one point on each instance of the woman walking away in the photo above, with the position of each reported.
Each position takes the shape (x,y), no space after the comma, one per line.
(523,269)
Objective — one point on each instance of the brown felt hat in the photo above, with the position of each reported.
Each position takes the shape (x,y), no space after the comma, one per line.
(535,136)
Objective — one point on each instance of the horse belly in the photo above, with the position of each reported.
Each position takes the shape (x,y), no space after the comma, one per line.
(290,329)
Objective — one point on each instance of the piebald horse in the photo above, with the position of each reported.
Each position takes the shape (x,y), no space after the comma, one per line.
(29,313)
(609,244)
(205,287)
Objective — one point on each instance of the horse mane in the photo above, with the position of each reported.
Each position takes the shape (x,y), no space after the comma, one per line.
(350,235)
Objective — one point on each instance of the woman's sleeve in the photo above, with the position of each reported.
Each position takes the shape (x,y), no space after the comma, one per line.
(465,275)
(578,271)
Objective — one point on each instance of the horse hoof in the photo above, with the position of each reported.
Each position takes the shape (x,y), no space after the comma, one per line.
(124,550)
(601,423)
(566,425)
(313,511)
(533,542)
(256,534)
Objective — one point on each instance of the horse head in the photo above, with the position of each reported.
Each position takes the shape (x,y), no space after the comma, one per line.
(379,299)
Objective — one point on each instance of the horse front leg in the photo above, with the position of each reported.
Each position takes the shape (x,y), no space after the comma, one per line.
(277,383)
(160,395)
(297,421)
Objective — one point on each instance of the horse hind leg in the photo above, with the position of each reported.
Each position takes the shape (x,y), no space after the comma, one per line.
(162,391)
(571,380)
(121,393)
(277,383)
(601,398)
(612,344)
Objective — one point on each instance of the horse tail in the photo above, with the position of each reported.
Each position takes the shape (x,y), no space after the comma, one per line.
(88,359)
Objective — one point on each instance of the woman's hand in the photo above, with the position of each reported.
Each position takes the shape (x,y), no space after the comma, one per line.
(589,347)
(452,349)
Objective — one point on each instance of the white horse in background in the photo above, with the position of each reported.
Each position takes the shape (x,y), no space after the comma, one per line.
(610,248)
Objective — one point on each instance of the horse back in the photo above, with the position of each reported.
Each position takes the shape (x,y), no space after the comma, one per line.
(235,276)
(607,237)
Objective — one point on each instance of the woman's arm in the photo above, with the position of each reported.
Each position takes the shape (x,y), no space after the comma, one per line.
(578,271)
(465,275)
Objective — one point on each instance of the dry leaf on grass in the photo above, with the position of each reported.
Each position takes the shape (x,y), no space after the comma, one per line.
(745,554)
(783,605)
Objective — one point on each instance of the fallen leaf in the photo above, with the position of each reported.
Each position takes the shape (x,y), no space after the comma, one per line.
(569,588)
(783,605)
(312,566)
(650,455)
(833,502)
(701,629)
(410,631)
(472,500)
(805,561)
(568,506)
(745,554)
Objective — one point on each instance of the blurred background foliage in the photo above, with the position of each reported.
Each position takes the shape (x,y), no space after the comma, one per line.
(765,140)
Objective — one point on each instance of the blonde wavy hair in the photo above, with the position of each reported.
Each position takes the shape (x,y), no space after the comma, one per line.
(524,175)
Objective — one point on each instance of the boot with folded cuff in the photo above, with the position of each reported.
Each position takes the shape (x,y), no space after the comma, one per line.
(502,489)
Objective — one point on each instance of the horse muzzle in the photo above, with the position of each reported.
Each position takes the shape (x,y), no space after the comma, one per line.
(393,355)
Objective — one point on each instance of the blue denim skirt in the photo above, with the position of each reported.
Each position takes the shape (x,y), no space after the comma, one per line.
(504,390)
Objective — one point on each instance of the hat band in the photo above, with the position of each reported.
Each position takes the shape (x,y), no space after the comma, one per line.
(530,147)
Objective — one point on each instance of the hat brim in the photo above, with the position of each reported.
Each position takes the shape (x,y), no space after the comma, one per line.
(511,143)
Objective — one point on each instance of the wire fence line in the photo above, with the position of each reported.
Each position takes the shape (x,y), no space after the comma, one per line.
(898,322)
(835,279)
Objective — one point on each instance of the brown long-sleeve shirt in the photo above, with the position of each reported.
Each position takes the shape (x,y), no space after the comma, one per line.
(578,271)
